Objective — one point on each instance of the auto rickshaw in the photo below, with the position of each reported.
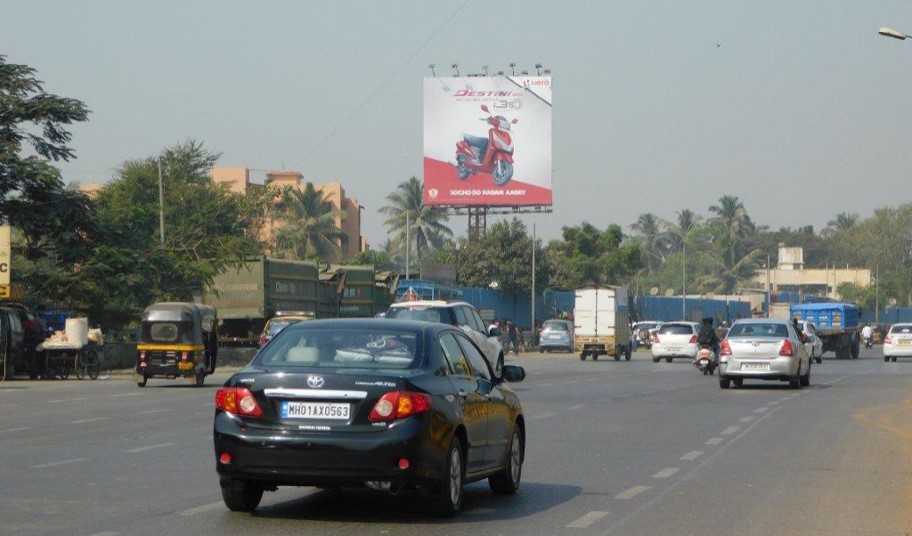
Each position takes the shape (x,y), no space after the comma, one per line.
(177,340)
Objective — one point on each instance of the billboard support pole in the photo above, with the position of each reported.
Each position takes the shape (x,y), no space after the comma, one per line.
(534,331)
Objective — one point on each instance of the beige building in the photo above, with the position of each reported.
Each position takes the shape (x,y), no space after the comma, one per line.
(348,210)
(789,274)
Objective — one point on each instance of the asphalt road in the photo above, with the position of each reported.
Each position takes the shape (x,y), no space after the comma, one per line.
(614,448)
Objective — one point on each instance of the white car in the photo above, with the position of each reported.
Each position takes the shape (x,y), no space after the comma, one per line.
(898,342)
(675,339)
(812,342)
(460,314)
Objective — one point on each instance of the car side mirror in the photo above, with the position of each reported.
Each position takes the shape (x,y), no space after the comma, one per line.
(513,373)
(494,332)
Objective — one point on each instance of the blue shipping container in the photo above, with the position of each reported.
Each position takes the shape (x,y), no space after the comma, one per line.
(828,315)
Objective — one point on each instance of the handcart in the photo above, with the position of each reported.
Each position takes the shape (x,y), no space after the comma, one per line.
(75,351)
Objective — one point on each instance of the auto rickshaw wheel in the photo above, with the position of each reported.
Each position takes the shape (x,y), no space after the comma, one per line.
(142,382)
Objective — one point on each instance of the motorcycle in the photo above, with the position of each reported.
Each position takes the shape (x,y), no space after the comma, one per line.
(645,338)
(494,154)
(705,360)
(868,342)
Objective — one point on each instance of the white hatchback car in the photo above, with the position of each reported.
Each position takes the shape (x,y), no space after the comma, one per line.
(898,342)
(675,339)
(812,342)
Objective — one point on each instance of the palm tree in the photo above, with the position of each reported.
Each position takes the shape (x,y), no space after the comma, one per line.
(731,212)
(409,219)
(677,232)
(310,230)
(843,222)
(651,238)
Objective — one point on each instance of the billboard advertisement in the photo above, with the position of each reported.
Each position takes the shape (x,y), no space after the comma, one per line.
(487,141)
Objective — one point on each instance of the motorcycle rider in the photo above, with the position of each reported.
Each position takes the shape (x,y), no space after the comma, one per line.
(707,336)
(867,335)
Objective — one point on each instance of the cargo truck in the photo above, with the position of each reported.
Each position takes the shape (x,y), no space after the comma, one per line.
(837,325)
(601,323)
(249,295)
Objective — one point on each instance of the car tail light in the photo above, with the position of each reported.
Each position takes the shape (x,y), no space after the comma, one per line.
(185,355)
(142,356)
(693,340)
(888,340)
(399,405)
(262,340)
(786,348)
(725,348)
(238,401)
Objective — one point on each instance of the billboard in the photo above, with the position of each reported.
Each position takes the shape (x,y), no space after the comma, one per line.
(487,141)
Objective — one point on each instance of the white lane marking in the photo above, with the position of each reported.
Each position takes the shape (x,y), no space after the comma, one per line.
(715,440)
(544,415)
(746,419)
(773,403)
(692,455)
(150,447)
(202,509)
(125,394)
(105,534)
(587,520)
(62,400)
(730,430)
(632,492)
(147,412)
(91,419)
(761,410)
(666,473)
(11,430)
(55,464)
(784,398)
(578,406)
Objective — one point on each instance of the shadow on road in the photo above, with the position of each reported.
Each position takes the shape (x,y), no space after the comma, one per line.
(368,506)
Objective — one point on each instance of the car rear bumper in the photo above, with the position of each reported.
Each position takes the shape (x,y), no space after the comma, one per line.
(684,350)
(321,458)
(780,368)
(897,351)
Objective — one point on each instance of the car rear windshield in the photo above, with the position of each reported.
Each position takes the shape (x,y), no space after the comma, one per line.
(676,329)
(340,348)
(557,326)
(167,332)
(424,314)
(755,330)
(904,329)
(278,325)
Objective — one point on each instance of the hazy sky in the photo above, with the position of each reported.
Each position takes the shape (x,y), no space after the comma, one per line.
(797,107)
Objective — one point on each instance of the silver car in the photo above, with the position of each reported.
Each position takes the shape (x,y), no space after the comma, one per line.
(556,334)
(763,349)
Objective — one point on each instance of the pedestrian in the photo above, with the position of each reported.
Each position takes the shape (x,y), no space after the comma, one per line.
(515,339)
(494,324)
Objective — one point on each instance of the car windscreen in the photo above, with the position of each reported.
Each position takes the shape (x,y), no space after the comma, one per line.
(423,314)
(758,330)
(676,329)
(167,332)
(904,329)
(341,348)
(556,326)
(278,325)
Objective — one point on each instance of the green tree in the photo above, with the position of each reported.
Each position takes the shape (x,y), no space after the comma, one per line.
(207,228)
(654,242)
(310,231)
(53,224)
(378,258)
(587,256)
(410,221)
(502,256)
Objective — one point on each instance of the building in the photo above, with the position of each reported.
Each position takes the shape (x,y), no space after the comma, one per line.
(348,210)
(790,275)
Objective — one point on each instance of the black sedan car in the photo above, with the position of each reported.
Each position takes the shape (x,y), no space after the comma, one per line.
(387,404)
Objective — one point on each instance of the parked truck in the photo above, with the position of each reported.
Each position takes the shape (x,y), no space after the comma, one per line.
(601,323)
(249,295)
(837,325)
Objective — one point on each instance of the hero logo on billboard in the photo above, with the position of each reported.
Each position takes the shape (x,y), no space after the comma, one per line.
(487,141)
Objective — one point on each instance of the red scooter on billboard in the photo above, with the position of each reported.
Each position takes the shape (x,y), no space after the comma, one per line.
(494,154)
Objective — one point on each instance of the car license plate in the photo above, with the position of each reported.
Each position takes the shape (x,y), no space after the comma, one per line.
(315,410)
(904,342)
(185,365)
(554,336)
(673,348)
(755,366)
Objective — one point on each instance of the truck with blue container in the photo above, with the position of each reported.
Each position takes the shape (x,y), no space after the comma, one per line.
(838,325)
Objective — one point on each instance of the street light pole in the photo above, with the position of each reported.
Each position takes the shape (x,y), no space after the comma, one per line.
(161,204)
(684,281)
